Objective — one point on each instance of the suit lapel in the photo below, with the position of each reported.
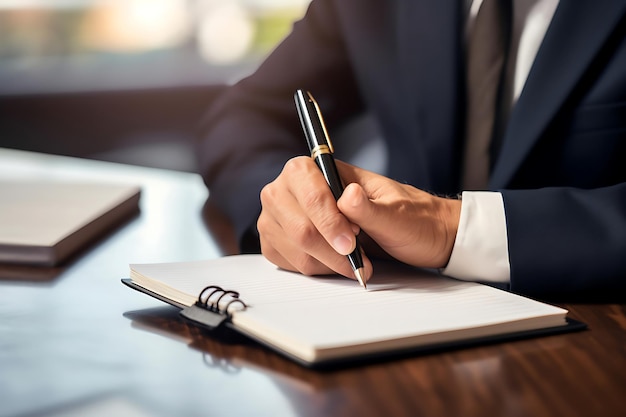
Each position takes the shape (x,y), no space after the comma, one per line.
(578,31)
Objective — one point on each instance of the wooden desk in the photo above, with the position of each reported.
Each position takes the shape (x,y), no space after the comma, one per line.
(75,341)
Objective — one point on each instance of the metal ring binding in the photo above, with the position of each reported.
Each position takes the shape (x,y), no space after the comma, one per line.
(234,294)
(234,300)
(205,303)
(214,305)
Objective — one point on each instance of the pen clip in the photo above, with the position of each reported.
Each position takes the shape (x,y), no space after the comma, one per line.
(321,120)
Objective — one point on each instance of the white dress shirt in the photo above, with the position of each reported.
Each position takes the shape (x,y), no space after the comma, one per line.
(480,251)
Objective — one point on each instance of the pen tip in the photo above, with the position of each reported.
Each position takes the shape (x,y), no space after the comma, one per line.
(359,275)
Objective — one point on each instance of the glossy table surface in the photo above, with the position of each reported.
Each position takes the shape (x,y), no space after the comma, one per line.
(74,341)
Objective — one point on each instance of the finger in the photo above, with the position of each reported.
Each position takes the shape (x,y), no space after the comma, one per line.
(280,249)
(383,222)
(319,205)
(409,224)
(288,236)
(355,204)
(308,250)
(339,234)
(279,214)
(369,180)
(270,237)
(302,262)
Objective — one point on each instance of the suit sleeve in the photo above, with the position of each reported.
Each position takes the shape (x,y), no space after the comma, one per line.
(252,129)
(567,242)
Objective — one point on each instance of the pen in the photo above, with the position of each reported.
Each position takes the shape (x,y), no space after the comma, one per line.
(322,152)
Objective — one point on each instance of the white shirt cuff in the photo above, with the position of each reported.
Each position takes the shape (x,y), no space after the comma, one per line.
(480,251)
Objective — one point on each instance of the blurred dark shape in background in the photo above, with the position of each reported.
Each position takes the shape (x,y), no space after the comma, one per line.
(126,80)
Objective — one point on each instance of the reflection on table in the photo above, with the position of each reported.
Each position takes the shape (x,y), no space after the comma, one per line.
(74,341)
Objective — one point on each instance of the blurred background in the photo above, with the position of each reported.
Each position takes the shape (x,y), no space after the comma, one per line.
(126,80)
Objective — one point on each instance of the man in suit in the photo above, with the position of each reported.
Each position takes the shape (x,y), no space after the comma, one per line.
(551,219)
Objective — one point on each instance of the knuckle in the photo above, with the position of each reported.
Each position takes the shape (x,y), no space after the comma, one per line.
(267,193)
(332,222)
(296,164)
(269,252)
(262,223)
(305,264)
(328,220)
(315,198)
(303,233)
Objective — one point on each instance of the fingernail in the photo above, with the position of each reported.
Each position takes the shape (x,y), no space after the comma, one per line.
(343,244)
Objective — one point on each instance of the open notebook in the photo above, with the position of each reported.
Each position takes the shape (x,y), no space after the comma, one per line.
(43,223)
(324,320)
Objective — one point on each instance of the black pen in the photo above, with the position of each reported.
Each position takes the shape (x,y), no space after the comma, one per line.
(322,152)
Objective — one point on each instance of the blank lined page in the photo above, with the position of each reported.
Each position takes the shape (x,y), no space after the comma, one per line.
(322,317)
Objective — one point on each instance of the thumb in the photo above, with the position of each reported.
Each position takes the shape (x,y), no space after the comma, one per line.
(356,206)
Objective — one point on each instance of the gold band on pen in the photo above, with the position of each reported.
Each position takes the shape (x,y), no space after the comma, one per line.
(319,150)
(321,120)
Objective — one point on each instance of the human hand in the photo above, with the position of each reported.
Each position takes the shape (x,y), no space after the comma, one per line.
(408,224)
(302,228)
(300,225)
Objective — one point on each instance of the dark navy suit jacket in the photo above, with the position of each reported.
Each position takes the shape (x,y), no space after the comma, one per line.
(561,165)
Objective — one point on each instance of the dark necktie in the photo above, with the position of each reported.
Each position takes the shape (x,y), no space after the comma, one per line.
(486,56)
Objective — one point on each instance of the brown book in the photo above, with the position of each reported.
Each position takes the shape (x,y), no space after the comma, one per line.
(46,222)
